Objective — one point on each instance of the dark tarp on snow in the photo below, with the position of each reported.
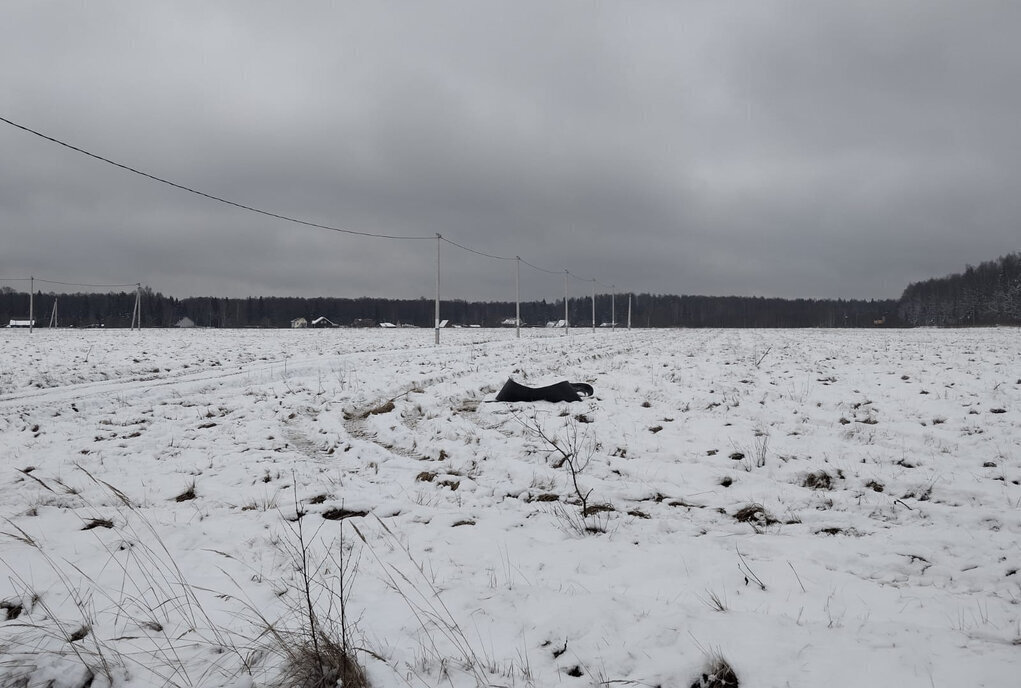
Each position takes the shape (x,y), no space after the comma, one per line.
(561,391)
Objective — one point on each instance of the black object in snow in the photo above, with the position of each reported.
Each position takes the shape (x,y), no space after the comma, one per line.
(562,391)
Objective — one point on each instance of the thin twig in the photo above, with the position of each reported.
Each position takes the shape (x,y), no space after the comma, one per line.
(797,576)
(748,573)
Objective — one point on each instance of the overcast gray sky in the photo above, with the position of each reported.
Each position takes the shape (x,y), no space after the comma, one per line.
(795,149)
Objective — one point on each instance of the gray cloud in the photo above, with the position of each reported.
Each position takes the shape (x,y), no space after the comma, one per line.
(774,148)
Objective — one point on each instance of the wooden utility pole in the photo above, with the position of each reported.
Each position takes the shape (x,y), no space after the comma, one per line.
(613,306)
(567,320)
(136,313)
(517,295)
(438,239)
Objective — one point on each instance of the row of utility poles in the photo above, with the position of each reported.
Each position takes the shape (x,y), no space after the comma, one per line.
(136,315)
(136,312)
(517,298)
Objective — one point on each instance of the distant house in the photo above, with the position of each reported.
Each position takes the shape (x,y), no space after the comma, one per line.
(323,321)
(185,322)
(509,322)
(387,325)
(299,323)
(22,323)
(557,323)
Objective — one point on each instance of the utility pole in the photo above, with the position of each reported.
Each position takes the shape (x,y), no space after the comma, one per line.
(567,320)
(53,313)
(613,306)
(438,239)
(629,310)
(517,295)
(593,305)
(136,314)
(31,304)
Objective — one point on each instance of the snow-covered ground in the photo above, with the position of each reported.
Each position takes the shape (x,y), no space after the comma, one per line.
(836,508)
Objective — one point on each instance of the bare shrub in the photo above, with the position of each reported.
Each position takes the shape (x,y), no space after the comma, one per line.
(573,451)
(317,650)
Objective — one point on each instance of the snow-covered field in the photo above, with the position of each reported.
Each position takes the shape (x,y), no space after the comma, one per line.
(837,508)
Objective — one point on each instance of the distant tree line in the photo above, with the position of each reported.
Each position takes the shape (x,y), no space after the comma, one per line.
(647,310)
(989,294)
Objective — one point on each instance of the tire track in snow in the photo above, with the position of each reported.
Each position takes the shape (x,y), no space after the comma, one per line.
(357,421)
(287,368)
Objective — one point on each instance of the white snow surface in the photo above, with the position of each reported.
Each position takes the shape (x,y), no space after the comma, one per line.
(885,466)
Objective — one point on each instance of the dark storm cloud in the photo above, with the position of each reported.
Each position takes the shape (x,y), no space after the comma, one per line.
(776,148)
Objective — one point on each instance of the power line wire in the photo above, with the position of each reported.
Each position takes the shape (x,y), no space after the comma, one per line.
(65,284)
(266,213)
(182,187)
(509,258)
(78,284)
(478,253)
(536,267)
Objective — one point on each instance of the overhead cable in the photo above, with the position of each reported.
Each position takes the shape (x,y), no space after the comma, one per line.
(471,250)
(77,284)
(267,213)
(541,269)
(182,187)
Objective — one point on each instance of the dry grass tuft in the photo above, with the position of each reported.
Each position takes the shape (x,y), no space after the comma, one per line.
(819,480)
(97,523)
(717,674)
(755,514)
(593,509)
(339,514)
(11,608)
(379,410)
(320,664)
(187,495)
